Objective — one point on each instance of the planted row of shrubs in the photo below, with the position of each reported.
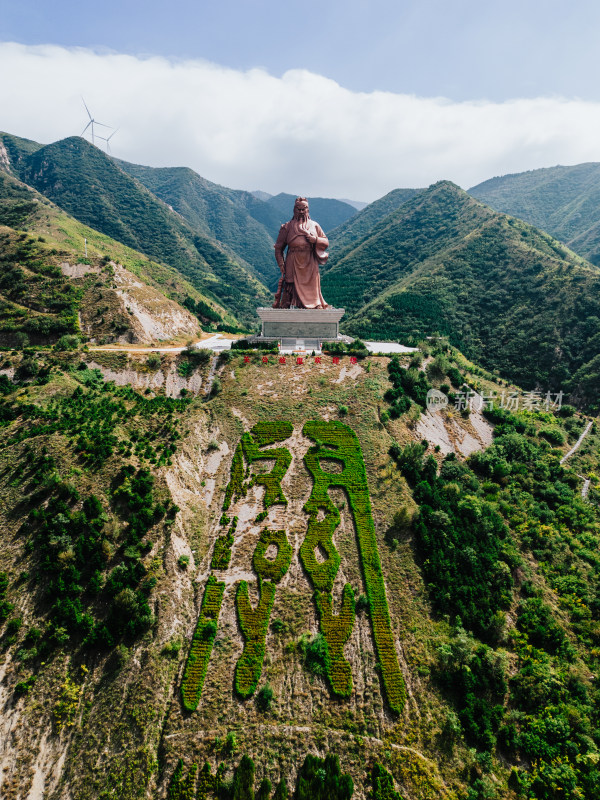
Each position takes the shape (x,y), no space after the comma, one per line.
(334,440)
(202,644)
(253,622)
(318,779)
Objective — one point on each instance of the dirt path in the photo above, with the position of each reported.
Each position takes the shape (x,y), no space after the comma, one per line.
(218,340)
(577,444)
(133,349)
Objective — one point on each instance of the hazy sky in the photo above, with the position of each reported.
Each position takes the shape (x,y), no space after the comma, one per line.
(338,98)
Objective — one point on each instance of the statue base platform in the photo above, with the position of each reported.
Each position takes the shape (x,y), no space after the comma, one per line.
(300,323)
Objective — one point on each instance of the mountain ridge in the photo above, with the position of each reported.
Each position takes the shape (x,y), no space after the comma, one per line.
(562,200)
(51,286)
(90,186)
(233,217)
(507,294)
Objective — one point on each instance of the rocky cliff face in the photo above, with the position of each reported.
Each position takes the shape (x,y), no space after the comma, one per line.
(124,309)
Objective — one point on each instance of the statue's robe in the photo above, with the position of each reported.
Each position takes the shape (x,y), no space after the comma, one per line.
(301,283)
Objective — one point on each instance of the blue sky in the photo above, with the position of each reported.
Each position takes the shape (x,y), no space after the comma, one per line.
(347,98)
(461,49)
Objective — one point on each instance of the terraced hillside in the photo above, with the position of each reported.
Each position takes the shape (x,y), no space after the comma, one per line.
(208,593)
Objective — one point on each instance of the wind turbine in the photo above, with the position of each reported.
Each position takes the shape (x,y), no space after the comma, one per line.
(92,122)
(107,139)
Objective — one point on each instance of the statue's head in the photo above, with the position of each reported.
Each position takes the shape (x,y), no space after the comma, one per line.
(301,209)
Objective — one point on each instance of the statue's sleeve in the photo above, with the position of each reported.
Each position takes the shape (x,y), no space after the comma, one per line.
(322,240)
(280,245)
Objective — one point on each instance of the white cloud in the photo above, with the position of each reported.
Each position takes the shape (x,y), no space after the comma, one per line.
(300,133)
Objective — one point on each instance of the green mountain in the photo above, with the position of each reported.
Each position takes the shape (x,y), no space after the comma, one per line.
(349,233)
(422,227)
(327,212)
(14,151)
(565,201)
(235,218)
(509,296)
(244,592)
(90,186)
(50,286)
(260,195)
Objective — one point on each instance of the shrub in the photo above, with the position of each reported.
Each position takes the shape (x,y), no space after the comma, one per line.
(153,361)
(535,619)
(278,626)
(202,644)
(21,340)
(315,654)
(185,369)
(362,603)
(28,368)
(264,698)
(24,687)
(382,784)
(171,649)
(13,626)
(438,368)
(322,779)
(401,526)
(281,792)
(67,342)
(554,435)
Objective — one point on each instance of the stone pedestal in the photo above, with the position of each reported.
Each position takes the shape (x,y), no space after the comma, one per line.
(300,323)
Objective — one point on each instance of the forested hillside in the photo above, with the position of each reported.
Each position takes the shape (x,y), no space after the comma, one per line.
(235,218)
(508,295)
(565,201)
(50,288)
(345,236)
(90,186)
(242,593)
